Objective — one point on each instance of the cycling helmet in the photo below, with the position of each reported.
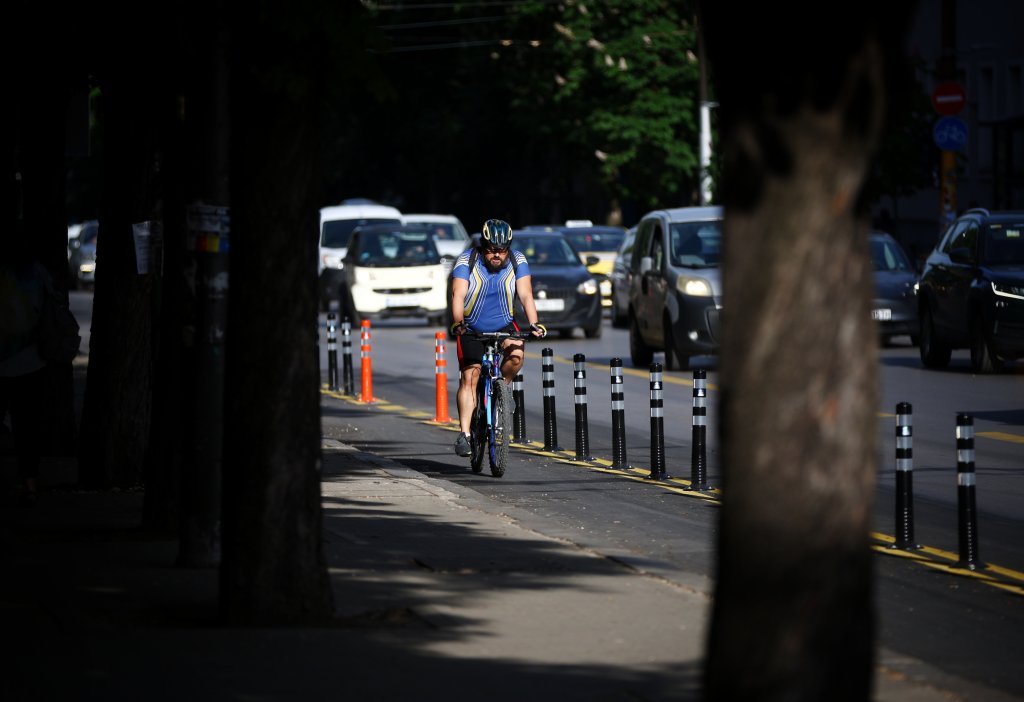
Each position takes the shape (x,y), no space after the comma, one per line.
(497,233)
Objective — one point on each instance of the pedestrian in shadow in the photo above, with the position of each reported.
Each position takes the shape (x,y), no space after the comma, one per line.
(23,289)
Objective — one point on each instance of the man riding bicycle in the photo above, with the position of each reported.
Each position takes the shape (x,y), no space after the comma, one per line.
(483,300)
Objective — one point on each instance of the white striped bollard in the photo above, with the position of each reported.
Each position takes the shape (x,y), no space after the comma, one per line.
(618,416)
(579,398)
(698,452)
(346,357)
(968,516)
(548,381)
(657,424)
(905,477)
(519,413)
(332,351)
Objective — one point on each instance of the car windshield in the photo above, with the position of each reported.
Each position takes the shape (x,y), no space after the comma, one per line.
(595,240)
(443,231)
(696,244)
(1003,244)
(887,255)
(547,251)
(335,233)
(397,249)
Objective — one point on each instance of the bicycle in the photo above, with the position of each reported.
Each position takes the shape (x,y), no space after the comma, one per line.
(491,425)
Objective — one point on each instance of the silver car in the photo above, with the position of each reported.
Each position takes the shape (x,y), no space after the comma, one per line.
(675,291)
(620,277)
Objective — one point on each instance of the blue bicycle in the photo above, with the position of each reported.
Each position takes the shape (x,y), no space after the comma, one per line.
(491,427)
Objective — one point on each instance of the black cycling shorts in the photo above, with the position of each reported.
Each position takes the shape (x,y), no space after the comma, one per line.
(471,350)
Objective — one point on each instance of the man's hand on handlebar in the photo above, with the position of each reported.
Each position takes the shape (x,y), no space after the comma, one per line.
(459,328)
(538,330)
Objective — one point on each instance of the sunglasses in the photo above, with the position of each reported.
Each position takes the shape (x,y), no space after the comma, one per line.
(494,249)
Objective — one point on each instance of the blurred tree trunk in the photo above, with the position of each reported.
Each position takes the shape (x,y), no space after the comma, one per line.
(801,114)
(273,571)
(119,386)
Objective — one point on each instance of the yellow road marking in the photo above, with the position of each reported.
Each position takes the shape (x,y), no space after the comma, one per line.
(924,555)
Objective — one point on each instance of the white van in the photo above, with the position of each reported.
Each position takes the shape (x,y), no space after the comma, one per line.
(450,236)
(336,225)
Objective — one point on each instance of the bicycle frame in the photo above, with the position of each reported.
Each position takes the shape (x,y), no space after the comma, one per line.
(490,373)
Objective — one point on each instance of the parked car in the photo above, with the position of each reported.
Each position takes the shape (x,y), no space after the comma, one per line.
(449,234)
(675,292)
(971,291)
(336,226)
(82,255)
(602,242)
(393,270)
(620,281)
(895,302)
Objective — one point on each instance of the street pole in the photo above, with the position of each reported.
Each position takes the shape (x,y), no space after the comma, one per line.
(946,71)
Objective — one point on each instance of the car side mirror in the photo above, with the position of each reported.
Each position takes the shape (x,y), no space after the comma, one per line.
(646,264)
(592,260)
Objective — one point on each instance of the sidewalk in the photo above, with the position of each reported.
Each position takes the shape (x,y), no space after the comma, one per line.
(439,596)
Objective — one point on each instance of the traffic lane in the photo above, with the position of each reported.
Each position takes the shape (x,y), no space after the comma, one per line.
(635,521)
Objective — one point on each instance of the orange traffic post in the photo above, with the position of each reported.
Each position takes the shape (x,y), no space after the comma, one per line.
(440,379)
(365,362)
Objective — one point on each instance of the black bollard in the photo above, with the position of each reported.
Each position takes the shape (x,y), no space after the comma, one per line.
(550,421)
(657,425)
(332,352)
(905,477)
(579,379)
(618,416)
(965,493)
(698,452)
(346,357)
(519,414)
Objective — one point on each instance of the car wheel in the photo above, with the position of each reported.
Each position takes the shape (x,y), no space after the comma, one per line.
(982,358)
(348,309)
(639,353)
(594,332)
(619,318)
(933,353)
(674,360)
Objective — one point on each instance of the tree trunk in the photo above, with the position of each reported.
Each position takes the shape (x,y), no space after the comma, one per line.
(118,396)
(793,615)
(273,571)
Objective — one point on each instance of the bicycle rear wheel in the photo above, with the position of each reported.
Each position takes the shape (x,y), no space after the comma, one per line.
(502,398)
(478,434)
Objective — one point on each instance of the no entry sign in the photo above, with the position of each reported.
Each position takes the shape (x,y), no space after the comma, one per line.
(948,98)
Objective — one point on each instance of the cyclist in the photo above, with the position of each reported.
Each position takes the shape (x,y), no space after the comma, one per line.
(483,301)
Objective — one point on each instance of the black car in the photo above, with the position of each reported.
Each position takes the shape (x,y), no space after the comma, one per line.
(566,294)
(971,291)
(895,302)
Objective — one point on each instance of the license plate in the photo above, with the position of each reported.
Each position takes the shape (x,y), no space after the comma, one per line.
(555,305)
(402,301)
(881,315)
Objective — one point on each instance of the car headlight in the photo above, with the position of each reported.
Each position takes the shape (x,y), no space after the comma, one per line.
(587,287)
(331,261)
(696,287)
(1003,290)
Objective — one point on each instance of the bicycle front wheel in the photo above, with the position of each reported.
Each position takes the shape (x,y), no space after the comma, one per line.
(478,432)
(501,397)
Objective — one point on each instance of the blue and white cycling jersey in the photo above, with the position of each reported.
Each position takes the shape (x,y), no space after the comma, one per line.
(490,298)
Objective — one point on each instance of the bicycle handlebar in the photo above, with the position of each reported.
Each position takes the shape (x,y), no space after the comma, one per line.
(499,335)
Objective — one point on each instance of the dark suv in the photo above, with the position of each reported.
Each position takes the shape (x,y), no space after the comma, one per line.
(971,292)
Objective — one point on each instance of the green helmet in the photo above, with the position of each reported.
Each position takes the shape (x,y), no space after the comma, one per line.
(497,233)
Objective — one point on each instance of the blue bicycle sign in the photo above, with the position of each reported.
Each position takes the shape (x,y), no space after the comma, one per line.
(950,134)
